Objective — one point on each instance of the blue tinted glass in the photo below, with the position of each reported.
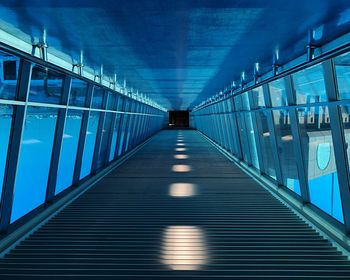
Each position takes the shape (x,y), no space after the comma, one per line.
(8,76)
(318,153)
(89,145)
(97,98)
(34,160)
(278,93)
(286,150)
(245,101)
(265,144)
(104,140)
(243,136)
(78,93)
(45,86)
(238,103)
(309,85)
(120,103)
(258,98)
(112,101)
(122,133)
(251,138)
(114,137)
(68,150)
(342,69)
(128,131)
(5,130)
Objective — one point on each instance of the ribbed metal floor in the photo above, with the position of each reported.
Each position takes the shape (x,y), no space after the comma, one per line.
(150,219)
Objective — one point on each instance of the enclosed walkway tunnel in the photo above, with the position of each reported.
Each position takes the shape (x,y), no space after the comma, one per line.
(174,139)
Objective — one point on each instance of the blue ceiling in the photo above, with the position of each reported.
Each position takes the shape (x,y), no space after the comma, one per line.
(177,52)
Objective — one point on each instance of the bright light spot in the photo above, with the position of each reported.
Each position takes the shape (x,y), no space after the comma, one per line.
(180,144)
(184,248)
(180,140)
(67,136)
(180,149)
(181,168)
(182,190)
(287,138)
(181,156)
(31,141)
(266,134)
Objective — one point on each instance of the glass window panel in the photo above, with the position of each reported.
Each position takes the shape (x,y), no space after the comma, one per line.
(265,143)
(243,136)
(97,98)
(342,69)
(68,150)
(78,93)
(102,152)
(286,150)
(319,160)
(245,101)
(34,160)
(309,85)
(252,143)
(278,94)
(112,101)
(258,98)
(122,134)
(45,85)
(114,137)
(238,103)
(9,65)
(89,145)
(5,130)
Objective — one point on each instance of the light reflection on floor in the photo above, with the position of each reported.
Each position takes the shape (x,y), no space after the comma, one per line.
(184,248)
(182,190)
(180,144)
(181,156)
(181,168)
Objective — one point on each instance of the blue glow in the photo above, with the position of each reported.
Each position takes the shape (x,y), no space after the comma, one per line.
(68,150)
(34,160)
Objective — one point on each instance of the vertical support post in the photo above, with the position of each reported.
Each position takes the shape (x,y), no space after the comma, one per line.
(297,144)
(82,136)
(340,147)
(256,135)
(17,127)
(120,128)
(110,136)
(99,134)
(56,149)
(273,139)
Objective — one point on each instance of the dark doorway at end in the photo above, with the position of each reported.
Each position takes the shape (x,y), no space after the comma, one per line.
(179,119)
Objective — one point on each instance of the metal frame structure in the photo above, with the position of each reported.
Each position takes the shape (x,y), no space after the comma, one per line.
(154,116)
(207,120)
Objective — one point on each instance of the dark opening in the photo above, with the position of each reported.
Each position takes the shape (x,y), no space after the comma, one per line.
(179,118)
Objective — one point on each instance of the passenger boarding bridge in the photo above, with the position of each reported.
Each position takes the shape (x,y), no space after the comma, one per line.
(174,139)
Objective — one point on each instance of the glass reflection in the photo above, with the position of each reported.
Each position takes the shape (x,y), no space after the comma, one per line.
(181,168)
(5,124)
(342,69)
(265,144)
(34,160)
(309,85)
(180,149)
(9,65)
(180,144)
(286,150)
(318,153)
(181,156)
(184,248)
(182,190)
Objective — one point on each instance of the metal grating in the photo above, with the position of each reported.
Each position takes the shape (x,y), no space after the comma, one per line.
(203,218)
